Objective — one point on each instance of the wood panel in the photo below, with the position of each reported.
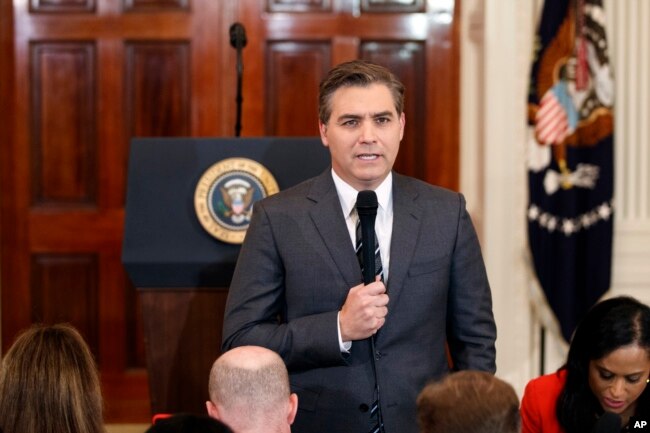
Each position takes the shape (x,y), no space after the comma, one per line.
(59,278)
(181,351)
(153,5)
(298,5)
(62,5)
(157,88)
(392,6)
(294,70)
(63,124)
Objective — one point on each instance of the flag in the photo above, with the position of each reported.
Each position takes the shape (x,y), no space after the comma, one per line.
(570,158)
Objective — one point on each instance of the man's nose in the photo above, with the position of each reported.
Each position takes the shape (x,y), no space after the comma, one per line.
(368,133)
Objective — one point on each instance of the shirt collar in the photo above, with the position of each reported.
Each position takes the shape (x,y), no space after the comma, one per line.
(348,195)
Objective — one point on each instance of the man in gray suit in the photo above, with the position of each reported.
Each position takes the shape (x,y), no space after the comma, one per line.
(298,288)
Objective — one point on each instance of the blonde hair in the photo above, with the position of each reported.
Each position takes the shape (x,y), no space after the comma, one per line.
(49,383)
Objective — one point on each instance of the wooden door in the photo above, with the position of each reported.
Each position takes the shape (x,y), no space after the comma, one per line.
(88,75)
(79,78)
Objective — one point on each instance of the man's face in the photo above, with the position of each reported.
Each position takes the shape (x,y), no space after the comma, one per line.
(363,134)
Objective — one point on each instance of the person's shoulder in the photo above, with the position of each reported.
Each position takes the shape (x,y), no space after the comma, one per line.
(285,196)
(425,190)
(550,382)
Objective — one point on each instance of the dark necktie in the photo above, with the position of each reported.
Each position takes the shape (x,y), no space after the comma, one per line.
(376,424)
(358,249)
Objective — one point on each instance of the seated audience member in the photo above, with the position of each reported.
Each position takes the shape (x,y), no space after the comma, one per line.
(249,391)
(188,423)
(49,383)
(607,370)
(468,402)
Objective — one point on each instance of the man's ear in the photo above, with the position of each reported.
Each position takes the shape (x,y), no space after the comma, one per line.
(293,408)
(213,412)
(322,127)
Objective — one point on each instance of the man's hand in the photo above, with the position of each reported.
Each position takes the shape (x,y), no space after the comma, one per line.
(364,311)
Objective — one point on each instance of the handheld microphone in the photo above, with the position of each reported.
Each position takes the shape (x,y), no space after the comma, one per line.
(367,210)
(607,423)
(238,36)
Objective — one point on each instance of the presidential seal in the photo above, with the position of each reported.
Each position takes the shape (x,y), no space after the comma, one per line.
(224,197)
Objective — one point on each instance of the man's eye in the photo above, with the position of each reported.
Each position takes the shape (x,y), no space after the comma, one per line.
(351,122)
(382,120)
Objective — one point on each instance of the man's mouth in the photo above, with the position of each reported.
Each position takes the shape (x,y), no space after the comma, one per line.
(368,156)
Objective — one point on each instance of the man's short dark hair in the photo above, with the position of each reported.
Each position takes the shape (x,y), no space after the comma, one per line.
(357,73)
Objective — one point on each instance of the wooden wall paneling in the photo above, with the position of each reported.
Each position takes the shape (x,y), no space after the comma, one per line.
(213,62)
(443,88)
(294,70)
(61,6)
(182,350)
(155,5)
(59,278)
(403,6)
(56,279)
(111,129)
(10,270)
(298,5)
(63,123)
(16,195)
(158,88)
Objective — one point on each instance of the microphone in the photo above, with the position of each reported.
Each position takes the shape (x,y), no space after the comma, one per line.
(238,36)
(607,423)
(367,211)
(238,41)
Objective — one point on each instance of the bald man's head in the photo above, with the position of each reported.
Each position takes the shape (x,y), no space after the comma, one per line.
(250,385)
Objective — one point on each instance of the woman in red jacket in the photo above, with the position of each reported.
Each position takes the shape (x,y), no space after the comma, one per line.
(607,370)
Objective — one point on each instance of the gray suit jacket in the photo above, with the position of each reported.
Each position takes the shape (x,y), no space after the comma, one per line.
(293,275)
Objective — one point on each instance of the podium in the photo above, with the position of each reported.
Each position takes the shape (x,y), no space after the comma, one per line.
(181,270)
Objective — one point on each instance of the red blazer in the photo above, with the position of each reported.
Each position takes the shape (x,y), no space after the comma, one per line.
(538,404)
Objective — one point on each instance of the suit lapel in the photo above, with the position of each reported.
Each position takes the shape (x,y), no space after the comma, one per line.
(330,224)
(407,217)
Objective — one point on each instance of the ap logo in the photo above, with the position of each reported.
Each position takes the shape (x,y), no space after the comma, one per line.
(639,424)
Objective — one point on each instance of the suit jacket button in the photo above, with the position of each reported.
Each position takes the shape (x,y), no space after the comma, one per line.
(363,407)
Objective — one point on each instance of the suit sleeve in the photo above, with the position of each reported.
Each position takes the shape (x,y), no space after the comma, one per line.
(255,309)
(471,330)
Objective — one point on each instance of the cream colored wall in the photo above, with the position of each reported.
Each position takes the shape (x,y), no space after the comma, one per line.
(496,47)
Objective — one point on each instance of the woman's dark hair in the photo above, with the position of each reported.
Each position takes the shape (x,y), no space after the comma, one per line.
(607,326)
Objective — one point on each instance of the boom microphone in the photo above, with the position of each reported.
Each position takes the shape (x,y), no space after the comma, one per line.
(367,210)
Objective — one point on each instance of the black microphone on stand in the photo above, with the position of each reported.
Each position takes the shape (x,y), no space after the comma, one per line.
(367,210)
(238,36)
(238,41)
